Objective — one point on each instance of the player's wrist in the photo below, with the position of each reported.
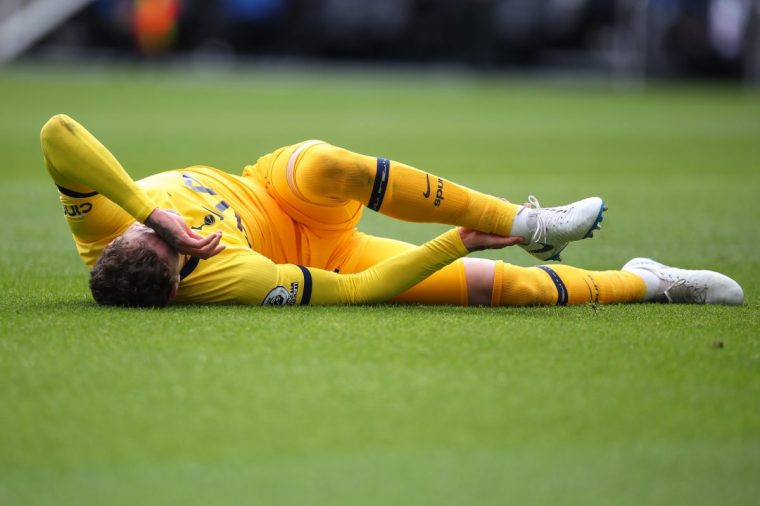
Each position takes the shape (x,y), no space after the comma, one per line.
(474,240)
(151,218)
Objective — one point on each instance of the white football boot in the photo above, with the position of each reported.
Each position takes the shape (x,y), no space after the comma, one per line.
(684,286)
(548,230)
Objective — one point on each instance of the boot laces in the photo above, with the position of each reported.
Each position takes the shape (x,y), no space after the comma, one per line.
(684,291)
(544,218)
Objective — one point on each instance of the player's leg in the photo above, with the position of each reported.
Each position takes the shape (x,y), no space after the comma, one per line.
(486,282)
(640,280)
(328,176)
(93,219)
(324,181)
(562,285)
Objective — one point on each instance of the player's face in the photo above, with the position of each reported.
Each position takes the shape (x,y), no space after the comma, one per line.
(152,240)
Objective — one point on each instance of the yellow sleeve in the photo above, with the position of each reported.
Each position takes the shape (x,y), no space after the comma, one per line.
(80,165)
(390,277)
(254,279)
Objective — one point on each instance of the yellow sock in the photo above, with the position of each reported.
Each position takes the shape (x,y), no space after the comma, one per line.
(599,287)
(414,195)
(521,286)
(328,174)
(563,285)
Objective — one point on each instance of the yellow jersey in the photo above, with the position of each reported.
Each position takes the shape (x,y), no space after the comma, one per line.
(264,262)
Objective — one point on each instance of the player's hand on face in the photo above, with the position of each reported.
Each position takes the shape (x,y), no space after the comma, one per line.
(173,229)
(476,241)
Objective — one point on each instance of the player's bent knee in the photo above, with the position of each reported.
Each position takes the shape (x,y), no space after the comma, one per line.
(334,172)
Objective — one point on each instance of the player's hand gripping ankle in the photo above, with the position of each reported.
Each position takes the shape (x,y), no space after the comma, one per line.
(173,229)
(476,241)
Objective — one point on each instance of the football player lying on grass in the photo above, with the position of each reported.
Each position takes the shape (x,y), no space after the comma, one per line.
(285,232)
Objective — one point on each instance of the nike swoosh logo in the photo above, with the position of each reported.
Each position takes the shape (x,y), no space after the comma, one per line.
(426,194)
(546,247)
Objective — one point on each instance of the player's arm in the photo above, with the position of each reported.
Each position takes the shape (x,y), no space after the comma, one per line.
(269,283)
(83,167)
(397,274)
(78,162)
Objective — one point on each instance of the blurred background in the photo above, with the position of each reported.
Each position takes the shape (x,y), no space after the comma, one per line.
(627,39)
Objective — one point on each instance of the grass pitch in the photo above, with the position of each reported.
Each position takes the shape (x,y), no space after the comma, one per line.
(642,404)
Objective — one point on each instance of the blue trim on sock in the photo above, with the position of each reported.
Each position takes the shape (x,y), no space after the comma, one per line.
(561,288)
(380,184)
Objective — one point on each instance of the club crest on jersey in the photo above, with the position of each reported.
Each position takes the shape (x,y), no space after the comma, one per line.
(279,296)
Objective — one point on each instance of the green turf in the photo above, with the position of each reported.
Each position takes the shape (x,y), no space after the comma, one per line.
(390,405)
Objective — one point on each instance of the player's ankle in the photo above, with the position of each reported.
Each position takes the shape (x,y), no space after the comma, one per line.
(654,285)
(524,224)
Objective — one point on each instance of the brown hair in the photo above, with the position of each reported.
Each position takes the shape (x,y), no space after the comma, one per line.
(129,273)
